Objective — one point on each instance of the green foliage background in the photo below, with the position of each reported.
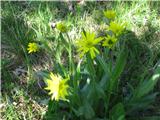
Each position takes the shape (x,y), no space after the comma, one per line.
(23,96)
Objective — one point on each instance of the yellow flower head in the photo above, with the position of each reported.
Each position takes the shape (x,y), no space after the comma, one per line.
(58,87)
(109,41)
(87,44)
(110,14)
(61,26)
(32,47)
(116,28)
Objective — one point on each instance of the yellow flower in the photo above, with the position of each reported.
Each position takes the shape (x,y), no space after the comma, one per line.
(110,14)
(58,87)
(61,26)
(32,47)
(88,44)
(116,28)
(109,41)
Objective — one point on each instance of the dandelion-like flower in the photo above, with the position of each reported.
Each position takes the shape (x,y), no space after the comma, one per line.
(61,26)
(88,44)
(116,28)
(57,86)
(32,47)
(110,14)
(109,41)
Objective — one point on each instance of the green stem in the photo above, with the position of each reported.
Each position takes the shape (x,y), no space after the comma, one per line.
(90,66)
(70,55)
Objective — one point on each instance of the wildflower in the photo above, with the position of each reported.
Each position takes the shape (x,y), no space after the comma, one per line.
(116,28)
(110,14)
(32,47)
(61,26)
(58,87)
(109,41)
(87,44)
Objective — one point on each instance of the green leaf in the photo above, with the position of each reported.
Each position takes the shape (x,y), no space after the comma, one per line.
(99,90)
(64,41)
(90,67)
(88,111)
(77,74)
(59,51)
(148,85)
(141,103)
(150,118)
(104,81)
(78,112)
(120,64)
(103,64)
(42,74)
(117,112)
(85,110)
(95,92)
(84,32)
(140,99)
(42,39)
(61,69)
